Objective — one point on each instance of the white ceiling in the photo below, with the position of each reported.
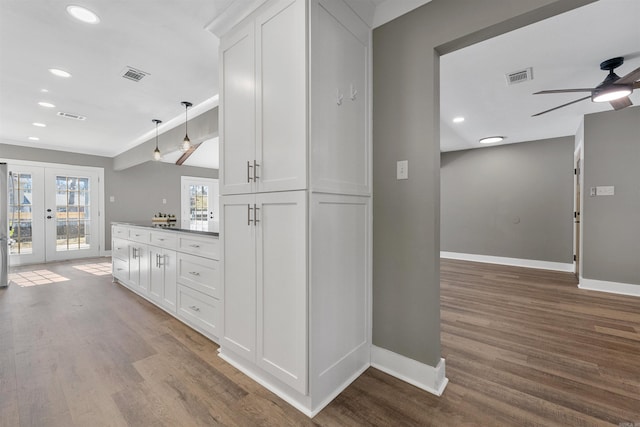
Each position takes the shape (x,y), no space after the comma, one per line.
(167,38)
(564,51)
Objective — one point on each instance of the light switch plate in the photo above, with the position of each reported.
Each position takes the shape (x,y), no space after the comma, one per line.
(402,169)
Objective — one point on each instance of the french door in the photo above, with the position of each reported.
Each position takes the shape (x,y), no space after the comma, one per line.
(53,214)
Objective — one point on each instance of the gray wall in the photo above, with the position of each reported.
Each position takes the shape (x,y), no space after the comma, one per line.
(406,226)
(611,224)
(138,191)
(512,200)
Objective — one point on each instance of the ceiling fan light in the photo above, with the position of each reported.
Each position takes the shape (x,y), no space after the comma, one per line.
(612,94)
(491,139)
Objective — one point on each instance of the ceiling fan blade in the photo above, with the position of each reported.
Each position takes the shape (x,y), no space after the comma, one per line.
(563,105)
(542,92)
(619,104)
(629,78)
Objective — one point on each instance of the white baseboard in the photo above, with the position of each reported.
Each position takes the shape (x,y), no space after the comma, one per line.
(610,287)
(517,262)
(428,378)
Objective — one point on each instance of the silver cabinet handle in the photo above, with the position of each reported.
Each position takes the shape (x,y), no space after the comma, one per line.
(194,246)
(120,269)
(135,252)
(249,167)
(162,240)
(255,171)
(194,308)
(255,214)
(194,273)
(158,260)
(249,209)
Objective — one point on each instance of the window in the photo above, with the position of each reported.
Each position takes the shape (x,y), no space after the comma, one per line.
(199,204)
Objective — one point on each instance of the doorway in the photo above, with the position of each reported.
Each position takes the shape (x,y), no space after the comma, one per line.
(54,212)
(199,206)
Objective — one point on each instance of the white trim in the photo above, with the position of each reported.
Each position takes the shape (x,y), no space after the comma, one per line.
(517,262)
(610,287)
(428,378)
(301,402)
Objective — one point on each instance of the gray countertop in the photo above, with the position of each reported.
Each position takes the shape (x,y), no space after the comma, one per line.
(173,226)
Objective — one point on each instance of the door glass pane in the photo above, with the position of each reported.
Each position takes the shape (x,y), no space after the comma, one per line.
(198,207)
(20,214)
(72,212)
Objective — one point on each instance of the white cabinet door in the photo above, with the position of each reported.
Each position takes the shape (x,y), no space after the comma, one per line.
(237,239)
(282,286)
(162,286)
(139,268)
(281,95)
(237,112)
(168,262)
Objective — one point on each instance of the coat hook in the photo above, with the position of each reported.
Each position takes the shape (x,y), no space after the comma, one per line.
(339,97)
(353,93)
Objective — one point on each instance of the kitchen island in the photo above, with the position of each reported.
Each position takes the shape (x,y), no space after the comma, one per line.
(174,268)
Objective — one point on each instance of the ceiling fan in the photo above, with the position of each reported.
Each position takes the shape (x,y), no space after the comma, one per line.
(613,89)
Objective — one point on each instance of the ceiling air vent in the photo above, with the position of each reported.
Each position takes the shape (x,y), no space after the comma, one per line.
(133,74)
(71,116)
(520,76)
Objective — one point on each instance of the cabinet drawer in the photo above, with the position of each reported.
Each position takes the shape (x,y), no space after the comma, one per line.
(139,235)
(120,269)
(203,246)
(199,273)
(120,249)
(164,240)
(199,309)
(119,232)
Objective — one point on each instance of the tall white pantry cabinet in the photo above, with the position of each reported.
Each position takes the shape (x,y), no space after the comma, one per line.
(295,180)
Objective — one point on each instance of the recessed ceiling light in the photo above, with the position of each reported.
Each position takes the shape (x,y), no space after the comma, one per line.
(491,139)
(59,73)
(40,125)
(82,14)
(458,119)
(34,138)
(44,90)
(46,104)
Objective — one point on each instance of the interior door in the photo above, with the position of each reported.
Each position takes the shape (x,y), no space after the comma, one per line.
(71,214)
(26,219)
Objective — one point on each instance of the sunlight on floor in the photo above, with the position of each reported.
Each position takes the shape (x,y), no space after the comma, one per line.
(36,277)
(97,269)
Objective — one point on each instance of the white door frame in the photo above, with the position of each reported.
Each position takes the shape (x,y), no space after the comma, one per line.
(97,170)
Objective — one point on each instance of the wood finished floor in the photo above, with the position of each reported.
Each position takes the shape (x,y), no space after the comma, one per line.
(522,347)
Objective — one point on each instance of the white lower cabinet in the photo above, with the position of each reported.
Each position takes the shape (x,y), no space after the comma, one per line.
(265,282)
(178,271)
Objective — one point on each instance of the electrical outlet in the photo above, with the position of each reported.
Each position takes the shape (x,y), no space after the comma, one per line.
(402,169)
(164,201)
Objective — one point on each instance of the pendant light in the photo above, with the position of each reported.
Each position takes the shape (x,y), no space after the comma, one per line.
(156,153)
(186,143)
